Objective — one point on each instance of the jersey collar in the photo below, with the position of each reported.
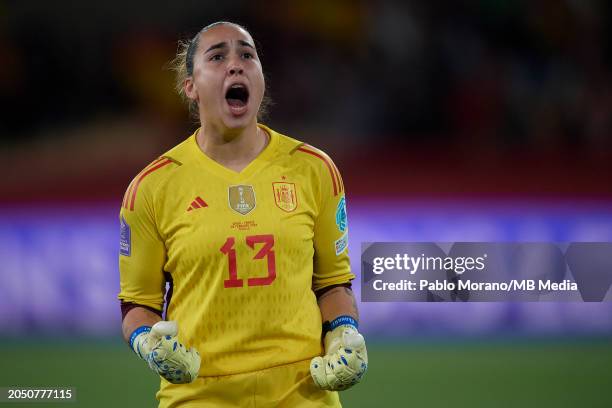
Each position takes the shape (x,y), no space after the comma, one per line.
(190,152)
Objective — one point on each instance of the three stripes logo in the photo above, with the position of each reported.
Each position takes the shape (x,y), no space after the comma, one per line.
(197,203)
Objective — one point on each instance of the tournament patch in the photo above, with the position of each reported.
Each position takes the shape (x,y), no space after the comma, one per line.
(125,239)
(341,215)
(341,244)
(241,198)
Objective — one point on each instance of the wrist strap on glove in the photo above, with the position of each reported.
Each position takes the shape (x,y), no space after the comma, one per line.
(339,321)
(136,333)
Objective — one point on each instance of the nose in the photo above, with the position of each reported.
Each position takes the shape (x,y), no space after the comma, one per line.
(235,68)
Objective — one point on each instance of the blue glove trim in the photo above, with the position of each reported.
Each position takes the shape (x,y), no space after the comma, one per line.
(135,333)
(343,320)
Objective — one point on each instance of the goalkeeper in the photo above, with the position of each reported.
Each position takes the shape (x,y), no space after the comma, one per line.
(248,230)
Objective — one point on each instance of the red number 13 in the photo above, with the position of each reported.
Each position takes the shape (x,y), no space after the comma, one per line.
(265,252)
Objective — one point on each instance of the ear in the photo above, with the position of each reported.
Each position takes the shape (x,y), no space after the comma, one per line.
(190,89)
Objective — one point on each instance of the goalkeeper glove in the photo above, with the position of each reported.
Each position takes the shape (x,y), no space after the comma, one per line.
(160,348)
(345,360)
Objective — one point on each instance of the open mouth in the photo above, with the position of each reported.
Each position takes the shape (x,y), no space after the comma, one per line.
(237,96)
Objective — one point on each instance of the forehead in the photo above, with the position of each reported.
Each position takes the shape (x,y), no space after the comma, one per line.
(224,33)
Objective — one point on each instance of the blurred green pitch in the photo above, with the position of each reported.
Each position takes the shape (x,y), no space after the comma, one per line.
(410,374)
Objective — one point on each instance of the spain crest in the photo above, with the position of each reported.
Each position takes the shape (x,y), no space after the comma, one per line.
(241,198)
(285,196)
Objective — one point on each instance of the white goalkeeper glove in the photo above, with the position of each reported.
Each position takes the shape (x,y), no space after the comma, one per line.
(160,348)
(345,360)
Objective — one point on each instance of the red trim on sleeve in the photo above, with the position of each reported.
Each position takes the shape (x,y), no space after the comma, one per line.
(333,166)
(128,192)
(151,169)
(340,182)
(327,162)
(126,198)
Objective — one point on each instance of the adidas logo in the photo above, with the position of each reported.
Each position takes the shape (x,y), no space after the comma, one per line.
(197,203)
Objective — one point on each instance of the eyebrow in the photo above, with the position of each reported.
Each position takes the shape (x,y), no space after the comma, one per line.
(224,45)
(245,44)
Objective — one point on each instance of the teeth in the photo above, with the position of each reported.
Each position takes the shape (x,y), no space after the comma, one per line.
(237,86)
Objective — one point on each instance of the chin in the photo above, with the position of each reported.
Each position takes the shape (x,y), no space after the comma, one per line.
(238,122)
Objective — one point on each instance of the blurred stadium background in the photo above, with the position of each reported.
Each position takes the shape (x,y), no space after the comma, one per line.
(474,120)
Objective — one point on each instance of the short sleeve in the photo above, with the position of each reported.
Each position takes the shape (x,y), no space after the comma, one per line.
(142,253)
(331,260)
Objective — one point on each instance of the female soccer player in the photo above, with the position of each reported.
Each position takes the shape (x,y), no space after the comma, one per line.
(249,228)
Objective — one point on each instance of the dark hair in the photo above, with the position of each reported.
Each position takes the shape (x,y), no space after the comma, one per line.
(182,65)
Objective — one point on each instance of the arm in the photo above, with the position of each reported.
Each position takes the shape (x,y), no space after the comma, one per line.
(136,317)
(345,360)
(141,259)
(337,301)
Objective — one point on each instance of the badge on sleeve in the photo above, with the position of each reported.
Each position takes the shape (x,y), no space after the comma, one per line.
(341,244)
(341,215)
(125,240)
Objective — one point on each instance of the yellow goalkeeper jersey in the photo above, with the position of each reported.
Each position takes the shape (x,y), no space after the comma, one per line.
(243,252)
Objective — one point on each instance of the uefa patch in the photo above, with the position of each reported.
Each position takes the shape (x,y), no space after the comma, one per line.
(341,244)
(125,239)
(341,215)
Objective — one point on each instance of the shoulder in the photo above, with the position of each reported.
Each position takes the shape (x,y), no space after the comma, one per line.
(303,154)
(328,172)
(182,152)
(146,182)
(299,150)
(166,164)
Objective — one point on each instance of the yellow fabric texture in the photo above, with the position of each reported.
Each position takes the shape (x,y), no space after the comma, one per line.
(244,251)
(286,386)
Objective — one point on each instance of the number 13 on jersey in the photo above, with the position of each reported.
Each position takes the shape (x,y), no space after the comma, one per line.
(266,251)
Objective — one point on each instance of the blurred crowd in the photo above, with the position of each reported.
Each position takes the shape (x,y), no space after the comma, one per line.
(501,75)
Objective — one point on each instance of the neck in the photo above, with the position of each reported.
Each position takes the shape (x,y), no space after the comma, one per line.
(233,149)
